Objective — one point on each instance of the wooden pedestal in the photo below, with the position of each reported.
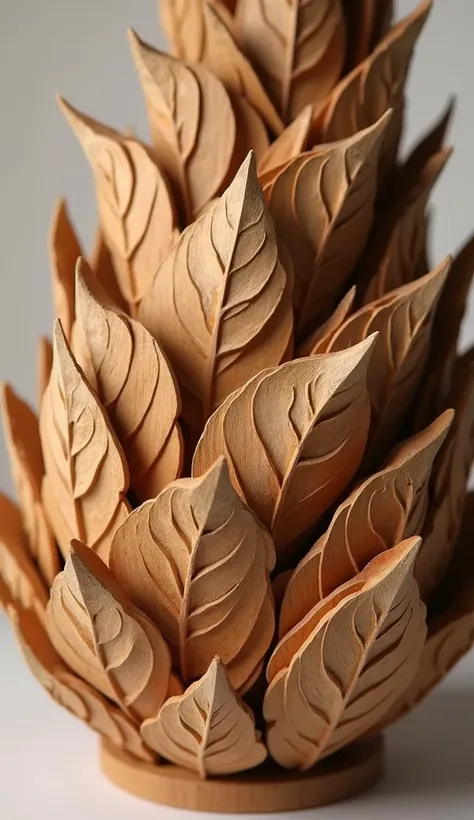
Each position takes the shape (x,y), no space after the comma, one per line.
(268,789)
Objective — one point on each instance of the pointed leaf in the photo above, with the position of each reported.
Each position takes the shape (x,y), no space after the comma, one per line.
(208,729)
(294,437)
(367,22)
(361,655)
(196,560)
(220,304)
(86,473)
(323,206)
(101,263)
(298,48)
(319,341)
(135,206)
(103,638)
(26,461)
(44,364)
(287,146)
(64,250)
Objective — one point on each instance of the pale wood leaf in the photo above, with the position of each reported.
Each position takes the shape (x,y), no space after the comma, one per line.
(298,48)
(26,461)
(64,250)
(44,365)
(220,304)
(197,561)
(294,437)
(136,210)
(193,131)
(361,655)
(104,638)
(322,204)
(287,146)
(70,691)
(136,387)
(86,473)
(319,341)
(386,508)
(252,133)
(101,263)
(21,580)
(375,85)
(208,729)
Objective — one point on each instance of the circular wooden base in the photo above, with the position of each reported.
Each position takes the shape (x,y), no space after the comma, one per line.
(268,789)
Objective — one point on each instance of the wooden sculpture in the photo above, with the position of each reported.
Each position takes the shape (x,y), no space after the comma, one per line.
(241,546)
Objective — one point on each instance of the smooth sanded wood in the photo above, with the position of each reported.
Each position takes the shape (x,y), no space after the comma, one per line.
(267,790)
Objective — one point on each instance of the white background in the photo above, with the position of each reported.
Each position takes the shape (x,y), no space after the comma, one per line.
(47,759)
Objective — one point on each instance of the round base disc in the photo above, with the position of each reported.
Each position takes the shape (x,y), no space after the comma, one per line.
(267,789)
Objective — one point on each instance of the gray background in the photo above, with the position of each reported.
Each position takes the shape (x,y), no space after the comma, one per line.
(47,760)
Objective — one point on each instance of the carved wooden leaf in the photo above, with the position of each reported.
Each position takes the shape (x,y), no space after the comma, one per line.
(322,204)
(222,56)
(403,258)
(367,22)
(208,729)
(298,48)
(293,437)
(222,321)
(135,206)
(403,319)
(194,131)
(102,265)
(26,461)
(136,387)
(196,560)
(86,473)
(69,691)
(374,86)
(104,639)
(44,364)
(287,146)
(64,249)
(448,486)
(319,341)
(386,508)
(17,571)
(361,655)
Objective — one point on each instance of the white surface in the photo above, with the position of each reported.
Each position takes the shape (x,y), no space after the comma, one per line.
(47,759)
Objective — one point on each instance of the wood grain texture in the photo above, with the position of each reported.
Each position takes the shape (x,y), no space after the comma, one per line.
(21,429)
(22,582)
(359,658)
(222,322)
(70,691)
(106,640)
(44,366)
(293,437)
(86,473)
(322,204)
(319,341)
(194,131)
(286,147)
(375,85)
(135,385)
(184,26)
(64,250)
(102,265)
(403,319)
(208,729)
(384,509)
(136,209)
(197,561)
(298,48)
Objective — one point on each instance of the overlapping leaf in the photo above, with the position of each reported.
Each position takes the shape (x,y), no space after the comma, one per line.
(367,22)
(64,249)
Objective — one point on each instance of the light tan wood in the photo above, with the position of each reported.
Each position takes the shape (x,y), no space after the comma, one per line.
(183,23)
(136,210)
(260,791)
(208,729)
(136,387)
(222,322)
(101,263)
(86,473)
(299,48)
(319,341)
(64,249)
(105,639)
(195,545)
(387,507)
(322,204)
(286,147)
(26,461)
(292,446)
(194,135)
(364,94)
(44,365)
(370,640)
(22,582)
(69,691)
